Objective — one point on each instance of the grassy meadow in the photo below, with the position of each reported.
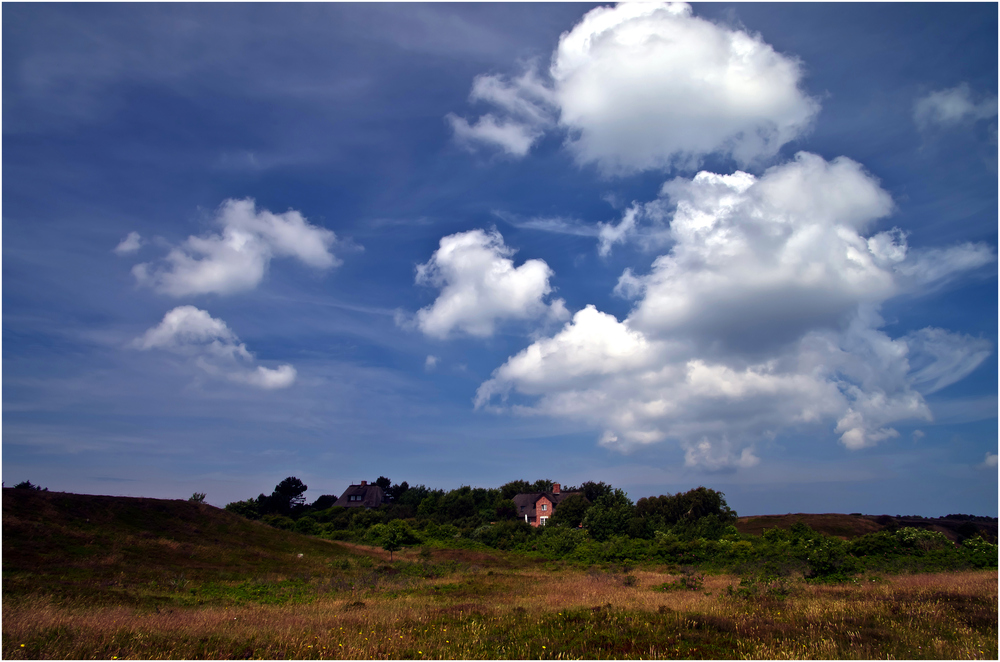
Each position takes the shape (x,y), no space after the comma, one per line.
(139,578)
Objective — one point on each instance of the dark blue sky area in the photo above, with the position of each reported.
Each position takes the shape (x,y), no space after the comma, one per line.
(747,246)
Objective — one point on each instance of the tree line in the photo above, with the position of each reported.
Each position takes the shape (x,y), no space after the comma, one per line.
(603,510)
(600,524)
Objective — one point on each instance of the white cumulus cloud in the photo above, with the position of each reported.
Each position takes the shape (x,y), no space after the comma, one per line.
(644,86)
(237,258)
(480,286)
(213,347)
(761,317)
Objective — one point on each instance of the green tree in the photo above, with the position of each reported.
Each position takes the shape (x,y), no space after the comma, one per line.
(249,508)
(323,502)
(396,491)
(392,542)
(413,496)
(26,485)
(505,509)
(610,516)
(542,485)
(571,511)
(288,494)
(383,482)
(197,497)
(668,510)
(593,491)
(513,488)
(395,535)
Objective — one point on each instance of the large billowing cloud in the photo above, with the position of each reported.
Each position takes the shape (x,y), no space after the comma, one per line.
(237,259)
(213,347)
(480,286)
(646,86)
(762,316)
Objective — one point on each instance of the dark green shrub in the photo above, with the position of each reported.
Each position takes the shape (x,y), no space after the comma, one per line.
(690,580)
(307,526)
(279,522)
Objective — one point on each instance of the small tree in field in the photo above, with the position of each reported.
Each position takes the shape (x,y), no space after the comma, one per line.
(393,541)
(197,497)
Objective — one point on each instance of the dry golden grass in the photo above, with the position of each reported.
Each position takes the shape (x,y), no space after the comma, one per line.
(532,614)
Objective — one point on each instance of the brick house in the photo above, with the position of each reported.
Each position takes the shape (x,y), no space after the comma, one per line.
(537,508)
(362,496)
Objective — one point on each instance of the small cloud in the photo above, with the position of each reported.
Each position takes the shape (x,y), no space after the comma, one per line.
(526,108)
(430,363)
(129,244)
(918,435)
(611,234)
(213,347)
(952,107)
(553,224)
(480,286)
(990,462)
(237,259)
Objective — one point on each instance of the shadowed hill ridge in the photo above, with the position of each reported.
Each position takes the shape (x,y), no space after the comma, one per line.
(854,526)
(71,543)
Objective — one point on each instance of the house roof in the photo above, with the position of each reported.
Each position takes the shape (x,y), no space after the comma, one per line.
(526,502)
(372,496)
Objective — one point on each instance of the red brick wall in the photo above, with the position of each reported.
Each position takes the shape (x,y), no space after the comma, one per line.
(539,513)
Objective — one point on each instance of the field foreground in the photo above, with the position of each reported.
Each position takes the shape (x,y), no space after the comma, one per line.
(115,578)
(532,614)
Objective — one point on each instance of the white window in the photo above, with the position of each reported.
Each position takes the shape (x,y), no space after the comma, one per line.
(543,520)
(545,507)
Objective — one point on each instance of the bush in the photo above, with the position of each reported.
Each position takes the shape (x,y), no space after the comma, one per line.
(560,541)
(979,553)
(307,526)
(279,522)
(505,535)
(435,531)
(248,508)
(761,586)
(828,560)
(690,580)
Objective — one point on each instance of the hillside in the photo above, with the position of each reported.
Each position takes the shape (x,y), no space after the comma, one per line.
(70,544)
(853,526)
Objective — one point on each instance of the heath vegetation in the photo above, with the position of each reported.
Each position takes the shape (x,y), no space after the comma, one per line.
(112,578)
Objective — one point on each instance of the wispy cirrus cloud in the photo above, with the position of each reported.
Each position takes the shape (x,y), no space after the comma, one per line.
(953,107)
(553,224)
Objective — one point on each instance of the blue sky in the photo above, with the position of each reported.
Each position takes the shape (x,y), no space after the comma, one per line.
(751,247)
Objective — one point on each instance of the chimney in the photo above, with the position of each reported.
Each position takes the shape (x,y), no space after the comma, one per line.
(555,488)
(363,483)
